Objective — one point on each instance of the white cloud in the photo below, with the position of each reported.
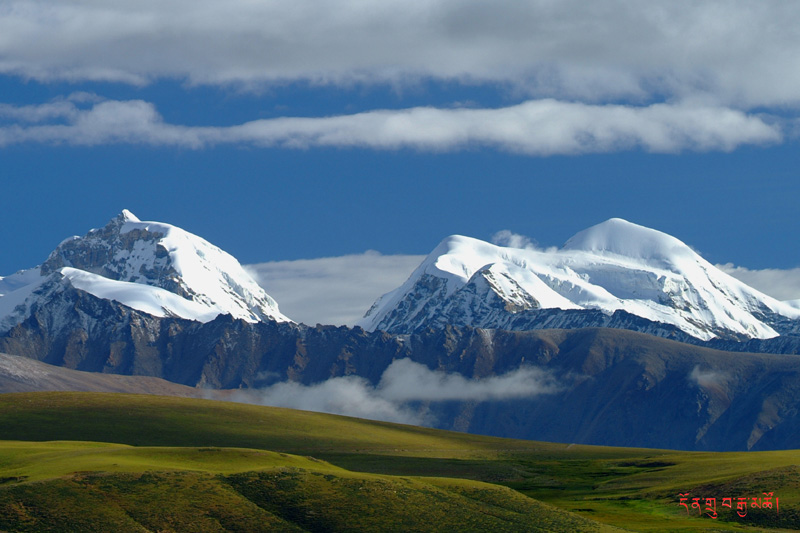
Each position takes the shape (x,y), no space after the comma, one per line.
(332,290)
(350,395)
(780,284)
(407,381)
(747,52)
(512,240)
(60,109)
(402,383)
(38,113)
(537,127)
(708,378)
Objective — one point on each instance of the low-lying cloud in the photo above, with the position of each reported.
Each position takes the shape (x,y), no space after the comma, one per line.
(332,290)
(782,284)
(708,378)
(407,381)
(350,396)
(536,127)
(402,393)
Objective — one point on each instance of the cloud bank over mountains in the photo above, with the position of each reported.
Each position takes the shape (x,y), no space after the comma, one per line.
(617,75)
(339,290)
(332,290)
(783,284)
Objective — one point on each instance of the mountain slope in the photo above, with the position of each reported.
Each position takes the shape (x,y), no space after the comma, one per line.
(22,374)
(151,267)
(614,266)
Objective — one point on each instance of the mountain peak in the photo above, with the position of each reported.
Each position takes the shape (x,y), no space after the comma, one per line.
(155,266)
(620,237)
(127,216)
(613,266)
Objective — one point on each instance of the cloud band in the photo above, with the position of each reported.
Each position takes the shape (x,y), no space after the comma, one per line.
(536,127)
(745,53)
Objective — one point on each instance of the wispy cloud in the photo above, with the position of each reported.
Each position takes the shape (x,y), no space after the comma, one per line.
(513,240)
(710,379)
(350,396)
(403,385)
(60,109)
(407,381)
(332,290)
(743,52)
(537,127)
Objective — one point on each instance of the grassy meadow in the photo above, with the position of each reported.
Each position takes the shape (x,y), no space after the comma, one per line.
(114,462)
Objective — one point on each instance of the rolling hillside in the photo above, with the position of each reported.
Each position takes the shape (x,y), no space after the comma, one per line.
(141,463)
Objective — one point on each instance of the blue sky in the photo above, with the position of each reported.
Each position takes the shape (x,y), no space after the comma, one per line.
(298,130)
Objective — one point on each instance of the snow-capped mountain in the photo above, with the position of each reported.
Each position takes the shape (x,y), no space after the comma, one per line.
(151,267)
(613,266)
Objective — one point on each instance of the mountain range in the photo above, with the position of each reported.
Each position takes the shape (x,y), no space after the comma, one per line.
(610,267)
(141,298)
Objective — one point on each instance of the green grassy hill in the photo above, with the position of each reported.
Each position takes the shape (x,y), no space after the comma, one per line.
(103,462)
(76,486)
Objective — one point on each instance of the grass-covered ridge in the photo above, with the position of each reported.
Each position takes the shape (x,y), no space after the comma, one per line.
(146,463)
(63,486)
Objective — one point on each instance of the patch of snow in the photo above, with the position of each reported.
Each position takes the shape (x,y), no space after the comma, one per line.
(18,280)
(151,300)
(128,216)
(14,305)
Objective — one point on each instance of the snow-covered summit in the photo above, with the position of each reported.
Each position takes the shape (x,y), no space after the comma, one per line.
(127,216)
(153,267)
(615,265)
(620,237)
